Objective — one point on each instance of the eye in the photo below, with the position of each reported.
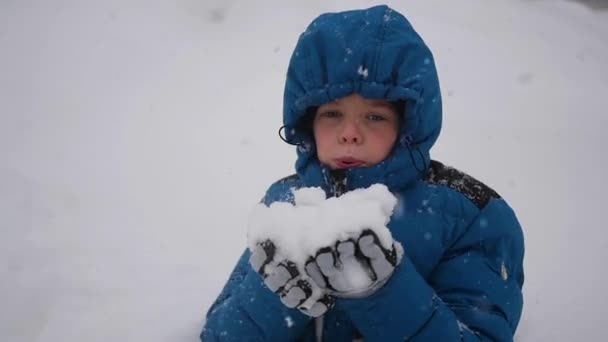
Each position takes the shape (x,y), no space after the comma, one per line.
(376,117)
(331,114)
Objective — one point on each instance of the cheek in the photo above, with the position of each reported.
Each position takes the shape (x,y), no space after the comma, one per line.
(391,138)
(384,140)
(322,141)
(323,133)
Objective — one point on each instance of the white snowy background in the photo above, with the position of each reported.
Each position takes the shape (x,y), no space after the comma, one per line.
(136,137)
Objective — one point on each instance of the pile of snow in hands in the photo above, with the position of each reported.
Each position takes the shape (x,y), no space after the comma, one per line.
(299,230)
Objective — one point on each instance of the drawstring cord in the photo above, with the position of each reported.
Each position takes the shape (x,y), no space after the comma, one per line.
(424,166)
(284,137)
(408,144)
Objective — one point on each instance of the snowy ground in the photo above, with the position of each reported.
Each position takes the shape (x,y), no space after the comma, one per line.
(132,133)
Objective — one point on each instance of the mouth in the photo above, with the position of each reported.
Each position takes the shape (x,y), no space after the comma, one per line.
(348,162)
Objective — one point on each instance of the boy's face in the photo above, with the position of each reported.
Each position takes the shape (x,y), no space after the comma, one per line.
(355,132)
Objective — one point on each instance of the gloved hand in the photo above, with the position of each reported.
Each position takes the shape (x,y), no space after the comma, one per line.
(284,278)
(354,268)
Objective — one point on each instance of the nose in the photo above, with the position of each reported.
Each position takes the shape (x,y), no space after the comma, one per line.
(350,133)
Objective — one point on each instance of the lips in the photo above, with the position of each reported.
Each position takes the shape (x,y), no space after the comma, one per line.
(348,162)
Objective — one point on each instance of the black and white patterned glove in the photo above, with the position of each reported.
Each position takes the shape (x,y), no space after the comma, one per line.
(354,268)
(284,278)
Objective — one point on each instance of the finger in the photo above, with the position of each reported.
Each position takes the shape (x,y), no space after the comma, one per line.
(261,255)
(319,307)
(348,256)
(355,269)
(368,239)
(313,271)
(345,250)
(283,273)
(331,269)
(326,261)
(382,262)
(355,266)
(340,267)
(296,294)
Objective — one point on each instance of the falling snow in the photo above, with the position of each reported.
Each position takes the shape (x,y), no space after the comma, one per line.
(362,71)
(289,322)
(98,181)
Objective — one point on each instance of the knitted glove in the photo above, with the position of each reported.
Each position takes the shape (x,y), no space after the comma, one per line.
(284,278)
(354,268)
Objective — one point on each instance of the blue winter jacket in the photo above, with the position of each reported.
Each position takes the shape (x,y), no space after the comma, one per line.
(462,274)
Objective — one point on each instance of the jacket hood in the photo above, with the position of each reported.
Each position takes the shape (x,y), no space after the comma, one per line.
(376,53)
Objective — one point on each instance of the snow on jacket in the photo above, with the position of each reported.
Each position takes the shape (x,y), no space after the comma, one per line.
(462,274)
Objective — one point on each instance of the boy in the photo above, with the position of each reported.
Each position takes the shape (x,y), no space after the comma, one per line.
(363,105)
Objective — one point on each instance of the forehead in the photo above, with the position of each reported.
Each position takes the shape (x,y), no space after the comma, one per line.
(357,100)
(380,103)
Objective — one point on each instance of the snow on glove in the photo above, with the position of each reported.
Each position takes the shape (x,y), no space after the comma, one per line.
(354,268)
(284,279)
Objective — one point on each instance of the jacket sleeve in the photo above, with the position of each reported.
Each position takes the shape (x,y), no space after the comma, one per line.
(246,310)
(473,294)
